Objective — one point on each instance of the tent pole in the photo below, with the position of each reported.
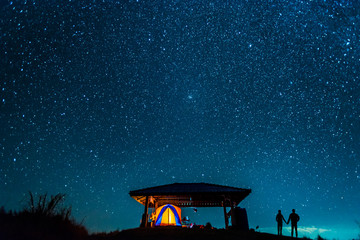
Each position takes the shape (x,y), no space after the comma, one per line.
(146,211)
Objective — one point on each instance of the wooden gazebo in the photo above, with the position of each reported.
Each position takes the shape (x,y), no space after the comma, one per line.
(190,195)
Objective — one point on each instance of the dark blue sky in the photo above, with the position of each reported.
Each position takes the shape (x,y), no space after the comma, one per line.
(102,97)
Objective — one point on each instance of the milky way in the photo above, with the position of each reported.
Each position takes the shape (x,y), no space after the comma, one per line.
(102,97)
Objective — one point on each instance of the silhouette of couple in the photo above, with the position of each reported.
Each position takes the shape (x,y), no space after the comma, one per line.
(293,217)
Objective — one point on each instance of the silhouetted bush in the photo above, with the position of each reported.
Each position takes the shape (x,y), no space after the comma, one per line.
(208,225)
(41,219)
(48,207)
(320,238)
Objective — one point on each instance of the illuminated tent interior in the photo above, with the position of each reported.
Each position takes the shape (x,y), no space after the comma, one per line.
(168,215)
(181,195)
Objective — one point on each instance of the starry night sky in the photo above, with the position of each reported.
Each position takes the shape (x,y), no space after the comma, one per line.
(102,97)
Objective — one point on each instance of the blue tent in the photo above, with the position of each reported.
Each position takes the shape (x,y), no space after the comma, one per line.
(168,215)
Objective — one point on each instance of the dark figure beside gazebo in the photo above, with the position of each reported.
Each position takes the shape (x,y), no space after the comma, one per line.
(279,219)
(294,218)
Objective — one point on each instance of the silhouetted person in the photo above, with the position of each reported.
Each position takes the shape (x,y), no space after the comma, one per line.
(294,218)
(279,219)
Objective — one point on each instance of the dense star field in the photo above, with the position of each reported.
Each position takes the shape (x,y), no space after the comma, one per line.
(102,97)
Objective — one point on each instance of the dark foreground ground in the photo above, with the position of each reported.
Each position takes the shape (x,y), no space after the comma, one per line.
(186,234)
(33,226)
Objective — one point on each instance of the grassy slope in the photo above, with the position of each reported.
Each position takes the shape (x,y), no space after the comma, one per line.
(186,234)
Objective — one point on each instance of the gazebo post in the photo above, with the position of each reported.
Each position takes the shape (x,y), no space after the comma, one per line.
(232,212)
(226,216)
(146,211)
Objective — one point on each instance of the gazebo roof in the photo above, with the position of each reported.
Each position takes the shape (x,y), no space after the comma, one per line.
(191,195)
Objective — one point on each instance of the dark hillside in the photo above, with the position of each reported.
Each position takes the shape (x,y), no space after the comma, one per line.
(186,234)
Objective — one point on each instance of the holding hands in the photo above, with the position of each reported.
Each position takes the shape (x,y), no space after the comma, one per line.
(293,217)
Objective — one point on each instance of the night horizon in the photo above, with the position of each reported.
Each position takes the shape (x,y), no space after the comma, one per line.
(100,98)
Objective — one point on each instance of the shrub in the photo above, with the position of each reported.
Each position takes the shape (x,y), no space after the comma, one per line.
(320,238)
(44,218)
(208,225)
(48,207)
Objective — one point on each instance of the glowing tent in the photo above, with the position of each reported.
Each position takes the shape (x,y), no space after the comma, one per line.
(168,215)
